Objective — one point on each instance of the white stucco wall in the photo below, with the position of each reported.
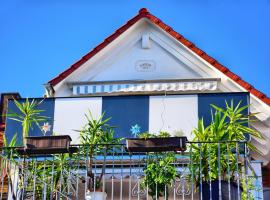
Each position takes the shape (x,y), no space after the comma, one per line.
(69,115)
(175,114)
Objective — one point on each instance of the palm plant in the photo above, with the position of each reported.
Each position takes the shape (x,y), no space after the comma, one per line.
(237,124)
(97,137)
(215,155)
(28,114)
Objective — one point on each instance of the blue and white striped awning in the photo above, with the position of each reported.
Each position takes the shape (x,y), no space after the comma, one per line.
(101,87)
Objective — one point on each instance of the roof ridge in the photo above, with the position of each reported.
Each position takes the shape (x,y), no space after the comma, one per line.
(144,13)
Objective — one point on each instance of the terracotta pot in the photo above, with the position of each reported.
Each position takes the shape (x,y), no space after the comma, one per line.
(156,144)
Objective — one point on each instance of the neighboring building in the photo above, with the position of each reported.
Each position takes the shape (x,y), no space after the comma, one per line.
(4,97)
(147,74)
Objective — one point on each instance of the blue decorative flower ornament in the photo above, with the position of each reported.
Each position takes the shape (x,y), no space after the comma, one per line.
(135,130)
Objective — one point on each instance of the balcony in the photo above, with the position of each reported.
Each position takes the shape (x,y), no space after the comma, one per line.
(213,168)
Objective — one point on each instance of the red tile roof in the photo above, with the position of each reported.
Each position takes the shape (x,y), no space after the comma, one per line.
(144,13)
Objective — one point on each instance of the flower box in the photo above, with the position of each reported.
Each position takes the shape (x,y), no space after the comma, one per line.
(48,144)
(156,144)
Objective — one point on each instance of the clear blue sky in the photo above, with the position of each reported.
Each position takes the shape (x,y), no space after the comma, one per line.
(39,39)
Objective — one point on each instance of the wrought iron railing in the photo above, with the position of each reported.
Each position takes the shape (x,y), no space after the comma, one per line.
(203,168)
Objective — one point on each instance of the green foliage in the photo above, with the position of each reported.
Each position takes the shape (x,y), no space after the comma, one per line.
(229,124)
(146,135)
(9,150)
(7,159)
(161,134)
(52,173)
(160,173)
(97,131)
(28,115)
(97,136)
(247,185)
(12,143)
(236,127)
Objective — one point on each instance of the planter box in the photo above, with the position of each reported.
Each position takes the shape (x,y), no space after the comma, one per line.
(48,144)
(156,144)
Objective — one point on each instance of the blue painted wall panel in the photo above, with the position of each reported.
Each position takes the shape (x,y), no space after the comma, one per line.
(13,127)
(218,99)
(127,111)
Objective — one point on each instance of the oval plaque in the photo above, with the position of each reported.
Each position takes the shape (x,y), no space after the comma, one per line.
(145,66)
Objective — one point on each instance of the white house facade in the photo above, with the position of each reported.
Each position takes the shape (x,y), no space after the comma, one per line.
(148,75)
(147,57)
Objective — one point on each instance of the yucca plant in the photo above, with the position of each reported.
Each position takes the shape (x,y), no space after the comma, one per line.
(215,156)
(28,114)
(98,138)
(236,124)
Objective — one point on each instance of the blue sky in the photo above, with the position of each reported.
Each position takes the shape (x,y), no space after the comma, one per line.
(39,39)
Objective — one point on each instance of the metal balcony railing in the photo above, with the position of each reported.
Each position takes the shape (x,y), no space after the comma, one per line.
(213,168)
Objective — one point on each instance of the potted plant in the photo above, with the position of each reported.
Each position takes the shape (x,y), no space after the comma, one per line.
(7,163)
(50,179)
(160,171)
(214,159)
(29,115)
(97,137)
(156,143)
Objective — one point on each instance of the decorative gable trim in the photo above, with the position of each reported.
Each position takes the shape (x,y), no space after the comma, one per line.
(144,13)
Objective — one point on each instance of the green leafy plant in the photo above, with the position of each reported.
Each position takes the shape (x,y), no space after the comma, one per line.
(236,126)
(160,171)
(8,161)
(247,185)
(98,138)
(28,114)
(216,156)
(161,134)
(54,174)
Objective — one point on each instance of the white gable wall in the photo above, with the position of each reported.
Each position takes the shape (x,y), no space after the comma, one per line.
(118,60)
(165,65)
